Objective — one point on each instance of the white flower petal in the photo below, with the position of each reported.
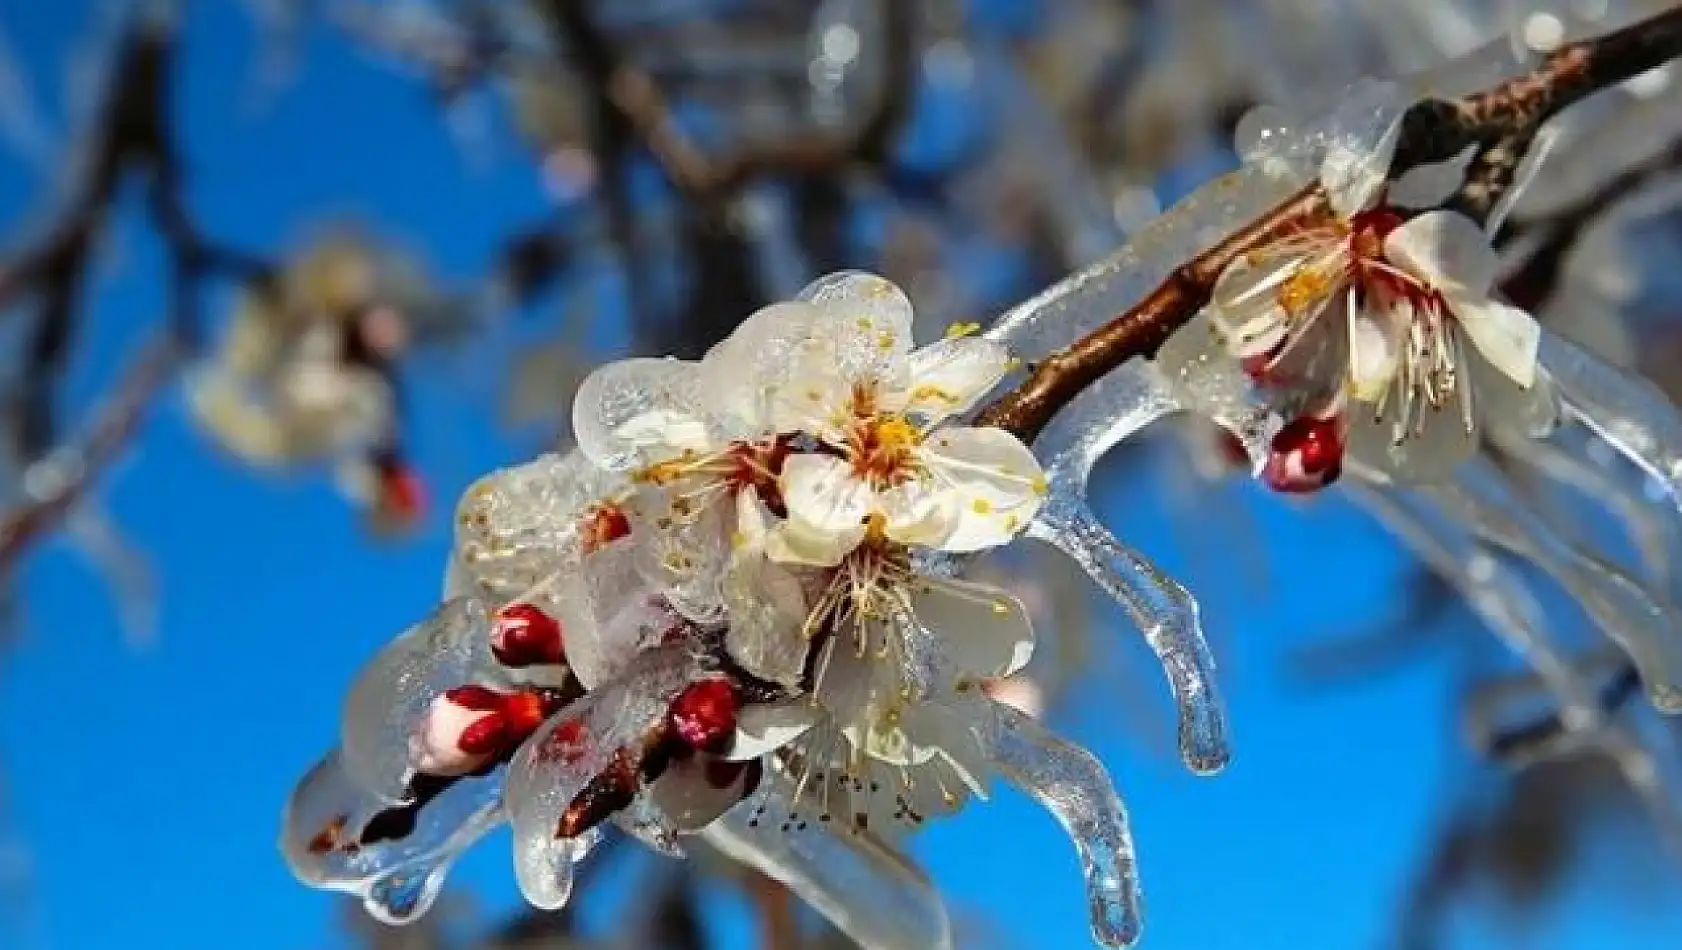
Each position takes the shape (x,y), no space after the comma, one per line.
(1446,250)
(1506,336)
(918,512)
(794,542)
(823,493)
(996,481)
(764,727)
(986,630)
(950,376)
(765,603)
(1375,345)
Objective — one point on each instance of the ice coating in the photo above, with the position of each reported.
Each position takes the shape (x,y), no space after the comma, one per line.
(567,752)
(645,389)
(1646,628)
(389,697)
(859,884)
(1496,593)
(1088,298)
(516,527)
(337,836)
(1163,611)
(1577,466)
(1625,410)
(1073,785)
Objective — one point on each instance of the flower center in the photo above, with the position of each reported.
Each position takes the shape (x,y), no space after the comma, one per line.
(882,449)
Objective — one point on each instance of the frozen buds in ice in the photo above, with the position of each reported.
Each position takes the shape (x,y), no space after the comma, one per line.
(734,597)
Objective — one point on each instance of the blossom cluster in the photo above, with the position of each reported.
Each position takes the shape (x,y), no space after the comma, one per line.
(732,610)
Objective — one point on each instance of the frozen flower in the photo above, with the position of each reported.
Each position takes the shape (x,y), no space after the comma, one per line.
(884,464)
(1394,313)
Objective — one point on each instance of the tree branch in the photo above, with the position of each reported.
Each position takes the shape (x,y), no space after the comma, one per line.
(1431,131)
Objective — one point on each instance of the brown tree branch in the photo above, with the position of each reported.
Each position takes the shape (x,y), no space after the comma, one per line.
(1431,131)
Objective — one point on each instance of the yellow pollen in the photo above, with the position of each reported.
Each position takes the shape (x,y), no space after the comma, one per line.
(928,392)
(876,527)
(885,341)
(738,539)
(865,324)
(1040,485)
(981,506)
(1307,286)
(1000,608)
(956,330)
(1012,523)
(896,434)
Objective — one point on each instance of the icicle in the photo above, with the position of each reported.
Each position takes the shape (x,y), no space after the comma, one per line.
(860,884)
(338,836)
(1163,611)
(448,649)
(1496,593)
(1627,411)
(1623,609)
(1072,784)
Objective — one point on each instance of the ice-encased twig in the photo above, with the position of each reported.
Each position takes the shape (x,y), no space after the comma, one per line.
(861,885)
(1653,538)
(1627,612)
(1073,785)
(1625,410)
(1492,590)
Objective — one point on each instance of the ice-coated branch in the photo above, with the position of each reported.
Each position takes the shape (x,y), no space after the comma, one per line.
(1433,130)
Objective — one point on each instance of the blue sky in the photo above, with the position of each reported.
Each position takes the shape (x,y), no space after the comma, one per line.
(148,782)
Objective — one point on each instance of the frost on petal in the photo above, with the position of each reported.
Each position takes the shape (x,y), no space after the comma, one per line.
(338,837)
(1505,336)
(866,322)
(570,750)
(765,603)
(1446,250)
(948,377)
(1362,134)
(634,408)
(393,693)
(984,630)
(517,526)
(996,480)
(1647,628)
(866,889)
(740,377)
(1074,787)
(1163,611)
(685,557)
